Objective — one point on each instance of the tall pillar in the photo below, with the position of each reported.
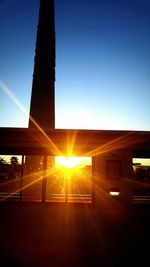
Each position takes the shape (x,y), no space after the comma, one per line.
(42,107)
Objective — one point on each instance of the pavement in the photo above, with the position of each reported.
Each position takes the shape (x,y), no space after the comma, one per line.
(74,235)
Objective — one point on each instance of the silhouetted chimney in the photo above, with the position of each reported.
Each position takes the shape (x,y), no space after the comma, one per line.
(42,108)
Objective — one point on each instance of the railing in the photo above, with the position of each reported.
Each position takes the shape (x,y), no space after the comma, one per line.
(141,199)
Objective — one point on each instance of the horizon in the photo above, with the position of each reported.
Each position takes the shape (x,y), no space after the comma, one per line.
(143,161)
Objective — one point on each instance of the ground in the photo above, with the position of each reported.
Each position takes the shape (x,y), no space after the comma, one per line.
(74,235)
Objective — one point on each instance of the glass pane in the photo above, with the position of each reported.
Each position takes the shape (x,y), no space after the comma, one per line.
(10,177)
(141,170)
(32,179)
(69,179)
(80,184)
(55,184)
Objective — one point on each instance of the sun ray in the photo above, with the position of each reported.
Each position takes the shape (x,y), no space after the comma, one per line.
(117,143)
(10,94)
(42,176)
(71,141)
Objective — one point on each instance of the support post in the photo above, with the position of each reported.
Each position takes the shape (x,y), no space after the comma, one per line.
(44,179)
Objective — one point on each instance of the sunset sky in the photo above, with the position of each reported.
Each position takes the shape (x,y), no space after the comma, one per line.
(102,63)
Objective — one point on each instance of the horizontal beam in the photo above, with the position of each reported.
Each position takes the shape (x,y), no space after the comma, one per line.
(59,141)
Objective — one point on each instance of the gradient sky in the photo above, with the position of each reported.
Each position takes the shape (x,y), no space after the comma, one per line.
(102,63)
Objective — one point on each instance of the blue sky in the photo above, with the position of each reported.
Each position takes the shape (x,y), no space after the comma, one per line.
(102,63)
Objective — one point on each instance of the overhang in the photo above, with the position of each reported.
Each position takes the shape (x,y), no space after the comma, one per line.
(78,142)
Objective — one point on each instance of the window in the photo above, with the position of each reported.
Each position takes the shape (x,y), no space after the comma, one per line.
(114,169)
(46,178)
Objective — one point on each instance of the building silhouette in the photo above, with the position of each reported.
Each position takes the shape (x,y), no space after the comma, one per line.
(111,151)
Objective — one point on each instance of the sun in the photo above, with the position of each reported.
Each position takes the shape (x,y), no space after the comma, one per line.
(69,162)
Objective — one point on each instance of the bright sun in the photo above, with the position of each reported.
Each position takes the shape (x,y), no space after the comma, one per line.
(72,161)
(68,162)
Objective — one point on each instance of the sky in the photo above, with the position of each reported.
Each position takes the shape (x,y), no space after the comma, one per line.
(102,63)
